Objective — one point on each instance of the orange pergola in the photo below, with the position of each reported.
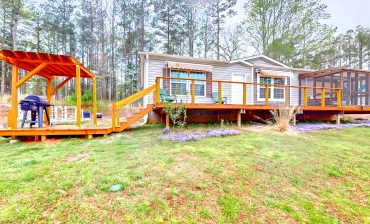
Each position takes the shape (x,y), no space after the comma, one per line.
(48,66)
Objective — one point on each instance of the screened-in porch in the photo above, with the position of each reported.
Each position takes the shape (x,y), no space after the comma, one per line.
(355,85)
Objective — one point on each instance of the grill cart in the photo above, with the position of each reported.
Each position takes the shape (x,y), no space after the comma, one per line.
(36,105)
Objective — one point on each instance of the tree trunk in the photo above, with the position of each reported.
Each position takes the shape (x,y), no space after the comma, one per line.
(360,55)
(206,39)
(218,35)
(14,22)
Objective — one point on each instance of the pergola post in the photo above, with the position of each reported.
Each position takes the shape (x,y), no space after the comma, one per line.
(13,114)
(94,102)
(78,96)
(49,93)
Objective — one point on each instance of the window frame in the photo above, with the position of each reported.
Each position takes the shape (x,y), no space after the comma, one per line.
(188,82)
(272,88)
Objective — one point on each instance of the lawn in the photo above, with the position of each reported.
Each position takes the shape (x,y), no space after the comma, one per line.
(254,177)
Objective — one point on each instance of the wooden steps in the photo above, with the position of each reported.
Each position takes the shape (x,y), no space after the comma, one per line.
(137,116)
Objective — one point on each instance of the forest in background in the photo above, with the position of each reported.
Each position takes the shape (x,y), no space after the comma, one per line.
(106,36)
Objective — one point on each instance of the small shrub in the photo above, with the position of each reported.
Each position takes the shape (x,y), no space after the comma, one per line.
(282,117)
(177,113)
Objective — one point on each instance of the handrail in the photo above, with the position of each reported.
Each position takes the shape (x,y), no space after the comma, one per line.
(135,97)
(120,104)
(324,90)
(249,83)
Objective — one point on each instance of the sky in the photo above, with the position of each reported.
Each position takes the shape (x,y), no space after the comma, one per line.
(345,14)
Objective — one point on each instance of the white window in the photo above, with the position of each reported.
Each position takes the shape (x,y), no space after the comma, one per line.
(276,93)
(183,87)
(200,87)
(178,87)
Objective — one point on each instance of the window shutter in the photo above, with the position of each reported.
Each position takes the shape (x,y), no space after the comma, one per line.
(166,82)
(209,85)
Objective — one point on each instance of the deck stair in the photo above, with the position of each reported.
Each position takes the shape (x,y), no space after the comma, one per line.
(131,109)
(131,120)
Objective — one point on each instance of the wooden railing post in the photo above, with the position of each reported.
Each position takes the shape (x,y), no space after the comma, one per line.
(219,93)
(113,116)
(322,97)
(287,98)
(193,91)
(49,86)
(339,98)
(267,95)
(158,90)
(244,94)
(305,97)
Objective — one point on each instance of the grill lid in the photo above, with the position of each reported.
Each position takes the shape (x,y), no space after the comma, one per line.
(36,99)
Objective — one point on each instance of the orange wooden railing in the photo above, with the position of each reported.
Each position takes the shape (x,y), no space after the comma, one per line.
(305,89)
(120,104)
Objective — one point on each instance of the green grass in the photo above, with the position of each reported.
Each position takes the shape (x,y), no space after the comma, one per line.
(255,177)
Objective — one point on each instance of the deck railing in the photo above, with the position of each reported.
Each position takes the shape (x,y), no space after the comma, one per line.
(305,95)
(128,107)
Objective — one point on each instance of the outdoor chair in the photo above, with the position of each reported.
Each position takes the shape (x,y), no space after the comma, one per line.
(215,98)
(165,98)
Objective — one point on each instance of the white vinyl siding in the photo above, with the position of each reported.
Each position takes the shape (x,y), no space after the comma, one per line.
(220,72)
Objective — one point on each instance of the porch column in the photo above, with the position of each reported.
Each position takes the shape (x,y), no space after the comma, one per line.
(167,121)
(239,119)
(13,113)
(78,96)
(338,119)
(294,120)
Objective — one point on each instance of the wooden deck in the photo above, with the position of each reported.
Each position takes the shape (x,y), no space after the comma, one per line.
(56,131)
(105,129)
(131,109)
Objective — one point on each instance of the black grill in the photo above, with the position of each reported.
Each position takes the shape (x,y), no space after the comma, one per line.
(36,105)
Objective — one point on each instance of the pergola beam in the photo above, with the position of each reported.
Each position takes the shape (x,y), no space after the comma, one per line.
(31,73)
(60,85)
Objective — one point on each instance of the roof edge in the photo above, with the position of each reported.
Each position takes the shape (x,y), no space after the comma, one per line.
(266,58)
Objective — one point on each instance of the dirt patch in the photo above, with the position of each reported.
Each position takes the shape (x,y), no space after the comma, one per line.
(2,203)
(52,141)
(77,157)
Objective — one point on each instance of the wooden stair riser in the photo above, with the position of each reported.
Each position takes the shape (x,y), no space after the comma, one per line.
(137,116)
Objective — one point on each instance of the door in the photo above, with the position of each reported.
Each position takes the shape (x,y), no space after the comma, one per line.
(237,89)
